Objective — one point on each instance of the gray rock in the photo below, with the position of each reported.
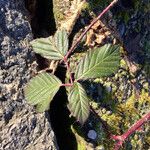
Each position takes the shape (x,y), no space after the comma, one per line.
(21,128)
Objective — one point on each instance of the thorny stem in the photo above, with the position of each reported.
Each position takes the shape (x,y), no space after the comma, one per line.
(89,27)
(121,138)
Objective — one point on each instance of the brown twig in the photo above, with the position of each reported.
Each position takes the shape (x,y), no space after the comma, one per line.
(121,138)
(89,27)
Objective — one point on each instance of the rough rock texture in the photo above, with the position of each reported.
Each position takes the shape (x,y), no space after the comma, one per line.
(21,128)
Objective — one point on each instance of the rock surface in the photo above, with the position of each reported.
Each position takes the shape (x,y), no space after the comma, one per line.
(20,126)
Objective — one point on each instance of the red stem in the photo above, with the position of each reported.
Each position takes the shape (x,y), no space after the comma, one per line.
(133,128)
(67,84)
(89,27)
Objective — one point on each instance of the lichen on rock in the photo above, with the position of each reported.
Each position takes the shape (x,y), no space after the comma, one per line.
(20,126)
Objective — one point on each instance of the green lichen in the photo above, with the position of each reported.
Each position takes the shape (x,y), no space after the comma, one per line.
(113,120)
(96,4)
(147,60)
(123,64)
(124,115)
(58,13)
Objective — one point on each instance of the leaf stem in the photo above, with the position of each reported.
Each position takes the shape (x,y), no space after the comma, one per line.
(67,84)
(89,27)
(121,138)
(69,70)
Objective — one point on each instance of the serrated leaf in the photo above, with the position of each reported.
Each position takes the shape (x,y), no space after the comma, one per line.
(78,103)
(99,62)
(54,48)
(41,89)
(61,41)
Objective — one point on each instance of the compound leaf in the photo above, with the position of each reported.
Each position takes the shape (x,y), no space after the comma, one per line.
(78,103)
(99,62)
(54,48)
(41,89)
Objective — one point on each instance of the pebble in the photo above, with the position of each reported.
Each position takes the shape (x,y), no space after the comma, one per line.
(92,134)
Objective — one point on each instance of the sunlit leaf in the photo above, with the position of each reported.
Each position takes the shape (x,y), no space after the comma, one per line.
(99,62)
(54,48)
(41,89)
(78,103)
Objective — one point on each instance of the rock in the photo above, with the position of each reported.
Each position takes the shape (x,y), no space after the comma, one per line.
(20,126)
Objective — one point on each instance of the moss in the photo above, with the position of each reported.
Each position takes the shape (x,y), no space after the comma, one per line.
(126,114)
(107,98)
(85,6)
(59,16)
(113,121)
(124,15)
(123,64)
(58,9)
(102,139)
(94,105)
(96,4)
(147,57)
(134,107)
(81,143)
(128,107)
(147,8)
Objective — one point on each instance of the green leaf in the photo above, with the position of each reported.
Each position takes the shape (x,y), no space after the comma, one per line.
(98,62)
(54,48)
(41,90)
(78,103)
(61,41)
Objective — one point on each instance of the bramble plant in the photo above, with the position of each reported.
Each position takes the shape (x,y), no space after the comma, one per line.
(96,63)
